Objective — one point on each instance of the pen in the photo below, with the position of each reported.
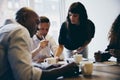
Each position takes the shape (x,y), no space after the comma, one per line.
(43,37)
(67,61)
(52,55)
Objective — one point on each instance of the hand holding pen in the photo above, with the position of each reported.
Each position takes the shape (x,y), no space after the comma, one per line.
(43,43)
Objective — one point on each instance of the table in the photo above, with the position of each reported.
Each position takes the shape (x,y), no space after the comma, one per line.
(101,71)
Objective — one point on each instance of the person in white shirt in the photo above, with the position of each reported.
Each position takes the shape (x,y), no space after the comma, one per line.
(15,53)
(44,45)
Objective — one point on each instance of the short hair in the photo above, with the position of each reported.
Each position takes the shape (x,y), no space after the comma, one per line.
(44,19)
(23,14)
(28,18)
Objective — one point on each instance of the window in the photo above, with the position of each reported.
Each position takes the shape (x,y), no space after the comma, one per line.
(49,8)
(102,13)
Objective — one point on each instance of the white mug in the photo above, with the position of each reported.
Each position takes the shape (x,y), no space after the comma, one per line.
(50,60)
(77,58)
(87,68)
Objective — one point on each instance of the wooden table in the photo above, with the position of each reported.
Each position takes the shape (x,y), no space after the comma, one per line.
(101,71)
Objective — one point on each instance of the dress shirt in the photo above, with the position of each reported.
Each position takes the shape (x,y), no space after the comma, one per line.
(47,51)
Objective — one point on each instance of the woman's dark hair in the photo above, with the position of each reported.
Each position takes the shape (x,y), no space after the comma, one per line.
(78,8)
(114,33)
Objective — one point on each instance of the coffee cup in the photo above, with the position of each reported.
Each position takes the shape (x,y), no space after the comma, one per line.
(87,68)
(77,58)
(50,60)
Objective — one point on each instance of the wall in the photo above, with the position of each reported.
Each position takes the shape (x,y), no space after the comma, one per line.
(102,13)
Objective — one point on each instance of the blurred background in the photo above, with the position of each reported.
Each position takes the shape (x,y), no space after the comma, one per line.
(101,12)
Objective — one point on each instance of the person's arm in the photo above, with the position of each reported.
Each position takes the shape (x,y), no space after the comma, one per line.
(19,56)
(36,51)
(41,45)
(68,70)
(91,32)
(51,74)
(59,50)
(115,53)
(53,45)
(83,46)
(101,56)
(61,40)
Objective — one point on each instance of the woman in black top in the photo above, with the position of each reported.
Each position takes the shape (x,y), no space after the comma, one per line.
(77,31)
(113,49)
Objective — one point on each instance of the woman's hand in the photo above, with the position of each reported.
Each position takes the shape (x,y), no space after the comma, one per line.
(115,53)
(79,50)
